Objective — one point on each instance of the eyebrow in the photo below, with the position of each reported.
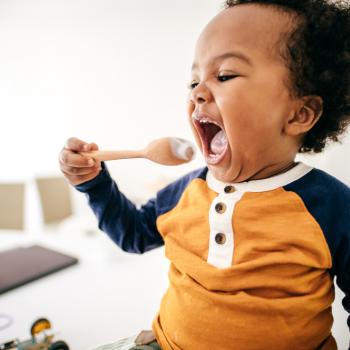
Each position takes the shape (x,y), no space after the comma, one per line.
(226,55)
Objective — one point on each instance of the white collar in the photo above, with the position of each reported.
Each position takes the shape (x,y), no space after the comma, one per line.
(262,185)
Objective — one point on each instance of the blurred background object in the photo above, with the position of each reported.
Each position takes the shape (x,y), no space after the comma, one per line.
(12,206)
(55,198)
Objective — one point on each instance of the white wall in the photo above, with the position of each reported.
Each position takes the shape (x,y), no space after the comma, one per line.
(109,71)
(113,72)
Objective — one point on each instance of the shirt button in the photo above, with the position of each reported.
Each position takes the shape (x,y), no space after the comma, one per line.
(220,238)
(220,208)
(229,189)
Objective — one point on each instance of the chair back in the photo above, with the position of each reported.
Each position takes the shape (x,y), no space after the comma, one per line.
(12,206)
(55,198)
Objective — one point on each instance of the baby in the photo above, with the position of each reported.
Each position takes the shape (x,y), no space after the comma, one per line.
(255,239)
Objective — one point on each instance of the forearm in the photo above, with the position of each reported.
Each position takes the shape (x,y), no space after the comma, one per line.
(133,230)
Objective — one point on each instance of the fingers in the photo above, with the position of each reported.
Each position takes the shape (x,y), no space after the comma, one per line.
(76,167)
(74,144)
(71,159)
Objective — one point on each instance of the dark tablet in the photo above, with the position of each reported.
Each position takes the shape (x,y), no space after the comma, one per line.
(25,264)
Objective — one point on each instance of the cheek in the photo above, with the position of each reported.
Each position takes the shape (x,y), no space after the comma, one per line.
(239,113)
(247,124)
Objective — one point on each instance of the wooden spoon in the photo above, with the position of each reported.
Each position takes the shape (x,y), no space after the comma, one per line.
(165,151)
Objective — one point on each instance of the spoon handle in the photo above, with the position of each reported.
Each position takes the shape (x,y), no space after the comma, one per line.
(113,155)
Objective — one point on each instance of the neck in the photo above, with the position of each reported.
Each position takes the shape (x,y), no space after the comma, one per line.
(273,170)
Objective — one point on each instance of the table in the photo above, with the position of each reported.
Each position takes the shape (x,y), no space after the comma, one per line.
(108,295)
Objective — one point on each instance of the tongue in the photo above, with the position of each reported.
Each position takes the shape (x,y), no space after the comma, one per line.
(219,143)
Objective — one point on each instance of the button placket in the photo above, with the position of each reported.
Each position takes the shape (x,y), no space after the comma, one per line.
(222,205)
(221,241)
(221,228)
(221,247)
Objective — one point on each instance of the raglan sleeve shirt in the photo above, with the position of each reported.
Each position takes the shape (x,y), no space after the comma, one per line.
(135,229)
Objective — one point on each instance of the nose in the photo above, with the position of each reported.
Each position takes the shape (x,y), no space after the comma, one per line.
(200,94)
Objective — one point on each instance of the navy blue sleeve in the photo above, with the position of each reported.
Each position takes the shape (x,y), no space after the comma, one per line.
(328,200)
(133,230)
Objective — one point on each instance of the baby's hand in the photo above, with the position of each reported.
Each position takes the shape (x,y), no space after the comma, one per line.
(75,167)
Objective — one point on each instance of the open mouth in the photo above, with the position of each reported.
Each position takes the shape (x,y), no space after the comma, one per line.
(213,139)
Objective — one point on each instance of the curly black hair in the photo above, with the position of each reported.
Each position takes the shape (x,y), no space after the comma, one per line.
(316,51)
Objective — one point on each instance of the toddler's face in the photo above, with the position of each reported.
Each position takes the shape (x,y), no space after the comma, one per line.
(240,100)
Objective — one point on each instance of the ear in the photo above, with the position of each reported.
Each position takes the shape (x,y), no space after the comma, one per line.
(305,116)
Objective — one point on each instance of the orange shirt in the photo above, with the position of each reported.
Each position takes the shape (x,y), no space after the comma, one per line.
(249,269)
(251,264)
